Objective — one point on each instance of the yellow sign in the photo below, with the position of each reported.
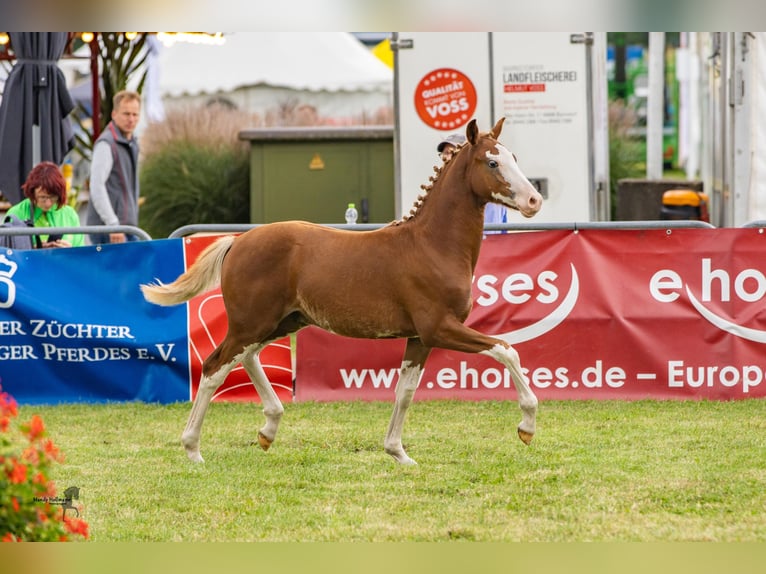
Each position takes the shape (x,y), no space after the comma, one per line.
(384,53)
(316,162)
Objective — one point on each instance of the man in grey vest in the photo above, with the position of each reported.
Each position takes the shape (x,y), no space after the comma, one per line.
(114,171)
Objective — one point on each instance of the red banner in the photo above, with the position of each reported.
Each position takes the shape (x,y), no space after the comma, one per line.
(207,328)
(594,314)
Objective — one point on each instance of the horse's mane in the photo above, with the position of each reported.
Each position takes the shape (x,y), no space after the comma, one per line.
(427,187)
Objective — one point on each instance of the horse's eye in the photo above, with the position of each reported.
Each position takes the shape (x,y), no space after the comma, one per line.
(492,163)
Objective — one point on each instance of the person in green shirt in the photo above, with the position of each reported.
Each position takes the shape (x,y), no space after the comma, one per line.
(45,191)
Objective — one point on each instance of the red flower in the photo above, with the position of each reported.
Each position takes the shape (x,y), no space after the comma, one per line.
(36,427)
(52,451)
(30,516)
(31,455)
(19,473)
(8,405)
(76,526)
(50,490)
(40,486)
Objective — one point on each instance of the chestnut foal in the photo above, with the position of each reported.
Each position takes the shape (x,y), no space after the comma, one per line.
(410,279)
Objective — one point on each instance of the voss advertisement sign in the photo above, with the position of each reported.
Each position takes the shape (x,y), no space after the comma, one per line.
(438,90)
(594,314)
(539,82)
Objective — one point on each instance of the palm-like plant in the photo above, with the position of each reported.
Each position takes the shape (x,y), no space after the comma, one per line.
(121,57)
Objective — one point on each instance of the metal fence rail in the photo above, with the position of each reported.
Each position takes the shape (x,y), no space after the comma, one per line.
(187,230)
(82,230)
(575,225)
(242,227)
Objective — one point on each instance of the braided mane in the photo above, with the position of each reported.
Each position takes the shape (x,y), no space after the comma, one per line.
(427,187)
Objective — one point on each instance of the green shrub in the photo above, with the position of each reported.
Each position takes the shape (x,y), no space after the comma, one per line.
(625,157)
(28,500)
(188,184)
(194,170)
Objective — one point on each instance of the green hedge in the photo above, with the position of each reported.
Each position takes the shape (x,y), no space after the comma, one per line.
(186,183)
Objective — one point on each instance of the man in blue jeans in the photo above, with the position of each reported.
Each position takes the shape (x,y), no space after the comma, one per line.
(114,171)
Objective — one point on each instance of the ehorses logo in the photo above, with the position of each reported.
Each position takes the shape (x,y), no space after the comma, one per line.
(519,288)
(748,286)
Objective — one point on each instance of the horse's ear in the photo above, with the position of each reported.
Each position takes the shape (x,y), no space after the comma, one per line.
(498,128)
(472,132)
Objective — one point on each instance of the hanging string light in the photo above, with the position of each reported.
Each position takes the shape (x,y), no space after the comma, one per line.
(171,38)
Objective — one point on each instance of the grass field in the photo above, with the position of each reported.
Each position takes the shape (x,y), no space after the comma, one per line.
(596,471)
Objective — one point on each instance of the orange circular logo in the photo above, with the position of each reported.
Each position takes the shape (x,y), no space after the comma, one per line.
(445,99)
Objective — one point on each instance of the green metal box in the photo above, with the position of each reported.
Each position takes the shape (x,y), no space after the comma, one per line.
(312,174)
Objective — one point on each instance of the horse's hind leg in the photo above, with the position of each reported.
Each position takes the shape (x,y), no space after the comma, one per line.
(272,406)
(415,356)
(213,375)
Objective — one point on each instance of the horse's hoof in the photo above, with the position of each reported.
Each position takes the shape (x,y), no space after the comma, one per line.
(526,437)
(263,441)
(195,456)
(402,458)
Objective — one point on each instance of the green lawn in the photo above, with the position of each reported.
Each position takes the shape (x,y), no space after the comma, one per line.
(596,471)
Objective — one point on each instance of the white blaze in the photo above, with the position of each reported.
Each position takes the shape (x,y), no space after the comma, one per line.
(518,183)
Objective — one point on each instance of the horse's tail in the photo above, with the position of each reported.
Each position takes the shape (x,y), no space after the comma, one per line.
(202,276)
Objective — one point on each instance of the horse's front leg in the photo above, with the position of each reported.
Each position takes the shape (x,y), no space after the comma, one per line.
(454,335)
(415,356)
(508,356)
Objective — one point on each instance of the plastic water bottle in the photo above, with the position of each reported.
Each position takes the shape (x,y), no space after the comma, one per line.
(351,214)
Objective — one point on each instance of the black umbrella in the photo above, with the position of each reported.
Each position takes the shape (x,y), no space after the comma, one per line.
(35,94)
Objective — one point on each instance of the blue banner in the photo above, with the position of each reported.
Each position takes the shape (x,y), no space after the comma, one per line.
(74,326)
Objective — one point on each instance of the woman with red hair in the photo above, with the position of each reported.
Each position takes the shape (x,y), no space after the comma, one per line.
(45,204)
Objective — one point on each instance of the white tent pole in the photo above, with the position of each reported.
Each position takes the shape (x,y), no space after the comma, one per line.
(36,143)
(654,116)
(695,109)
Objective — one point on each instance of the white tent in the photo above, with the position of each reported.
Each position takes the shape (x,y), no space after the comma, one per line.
(258,71)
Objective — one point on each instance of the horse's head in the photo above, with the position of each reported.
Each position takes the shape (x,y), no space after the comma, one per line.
(495,174)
